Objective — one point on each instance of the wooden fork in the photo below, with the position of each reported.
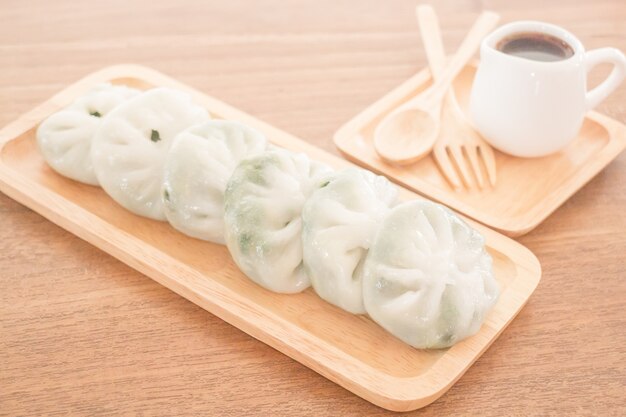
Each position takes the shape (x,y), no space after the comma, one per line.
(457,138)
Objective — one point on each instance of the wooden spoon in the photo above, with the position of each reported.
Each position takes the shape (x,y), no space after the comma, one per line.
(410,131)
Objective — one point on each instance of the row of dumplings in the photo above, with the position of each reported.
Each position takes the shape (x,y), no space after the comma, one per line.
(289,222)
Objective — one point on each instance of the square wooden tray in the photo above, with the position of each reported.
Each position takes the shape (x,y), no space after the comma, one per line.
(350,350)
(527,190)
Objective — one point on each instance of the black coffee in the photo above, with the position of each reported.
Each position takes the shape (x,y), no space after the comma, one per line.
(536,46)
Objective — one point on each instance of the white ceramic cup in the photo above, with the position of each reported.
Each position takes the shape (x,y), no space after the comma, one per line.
(533,108)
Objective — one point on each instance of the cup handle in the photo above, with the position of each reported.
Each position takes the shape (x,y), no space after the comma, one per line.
(599,56)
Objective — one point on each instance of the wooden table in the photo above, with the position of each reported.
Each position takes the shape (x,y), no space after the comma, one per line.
(83,334)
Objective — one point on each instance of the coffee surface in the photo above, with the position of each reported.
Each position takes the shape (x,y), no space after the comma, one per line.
(535,46)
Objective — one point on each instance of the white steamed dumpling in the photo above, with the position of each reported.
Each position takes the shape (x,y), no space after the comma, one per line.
(262,216)
(428,279)
(66,136)
(130,147)
(197,168)
(339,223)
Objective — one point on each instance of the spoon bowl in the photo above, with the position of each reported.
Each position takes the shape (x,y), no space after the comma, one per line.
(408,135)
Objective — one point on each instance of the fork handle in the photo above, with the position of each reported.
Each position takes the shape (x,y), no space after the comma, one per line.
(482,26)
(431,38)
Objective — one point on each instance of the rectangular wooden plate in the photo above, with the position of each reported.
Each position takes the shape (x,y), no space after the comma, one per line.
(527,191)
(350,350)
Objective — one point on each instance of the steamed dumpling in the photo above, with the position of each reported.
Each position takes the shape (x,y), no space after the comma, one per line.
(339,223)
(428,279)
(198,166)
(65,137)
(263,205)
(129,149)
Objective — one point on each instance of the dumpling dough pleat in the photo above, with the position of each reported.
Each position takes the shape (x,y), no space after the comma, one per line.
(262,217)
(65,137)
(129,149)
(340,220)
(428,279)
(197,168)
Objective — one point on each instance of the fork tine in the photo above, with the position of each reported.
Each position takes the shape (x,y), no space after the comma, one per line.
(489,159)
(459,160)
(472,155)
(443,161)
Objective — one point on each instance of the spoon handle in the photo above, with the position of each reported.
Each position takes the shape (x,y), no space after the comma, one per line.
(483,25)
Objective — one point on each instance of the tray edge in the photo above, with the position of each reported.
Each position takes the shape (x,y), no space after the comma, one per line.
(516,226)
(392,402)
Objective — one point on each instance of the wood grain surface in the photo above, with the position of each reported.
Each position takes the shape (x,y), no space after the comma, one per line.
(83,334)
